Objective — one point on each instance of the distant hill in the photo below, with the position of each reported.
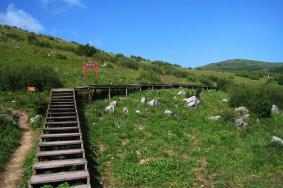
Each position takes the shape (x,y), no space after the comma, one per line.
(242,65)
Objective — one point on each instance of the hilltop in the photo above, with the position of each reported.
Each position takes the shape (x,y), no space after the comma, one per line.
(243,65)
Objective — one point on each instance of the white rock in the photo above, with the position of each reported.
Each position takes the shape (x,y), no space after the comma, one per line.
(114,103)
(168,112)
(214,118)
(245,116)
(153,103)
(143,100)
(192,101)
(110,109)
(125,111)
(138,111)
(13,101)
(242,109)
(174,97)
(239,122)
(36,119)
(225,100)
(182,92)
(277,140)
(274,109)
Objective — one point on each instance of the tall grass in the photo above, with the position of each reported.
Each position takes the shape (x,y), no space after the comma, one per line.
(18,76)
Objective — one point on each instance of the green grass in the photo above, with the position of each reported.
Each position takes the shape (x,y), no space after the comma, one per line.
(9,139)
(153,150)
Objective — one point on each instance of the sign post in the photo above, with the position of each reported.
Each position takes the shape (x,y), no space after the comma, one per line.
(90,66)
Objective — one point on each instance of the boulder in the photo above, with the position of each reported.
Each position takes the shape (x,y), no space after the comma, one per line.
(168,112)
(274,109)
(5,118)
(240,122)
(125,111)
(225,100)
(182,92)
(214,118)
(143,100)
(192,101)
(242,110)
(114,103)
(138,111)
(276,139)
(110,109)
(36,119)
(153,103)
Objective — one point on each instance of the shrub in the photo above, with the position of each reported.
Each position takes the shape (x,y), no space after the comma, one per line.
(206,81)
(35,41)
(86,50)
(14,36)
(280,79)
(179,73)
(130,64)
(19,76)
(256,99)
(149,77)
(60,56)
(223,84)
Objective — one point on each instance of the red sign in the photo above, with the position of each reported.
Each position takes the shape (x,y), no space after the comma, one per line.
(90,66)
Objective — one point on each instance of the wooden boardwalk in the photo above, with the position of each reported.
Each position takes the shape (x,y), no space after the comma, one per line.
(61,156)
(92,90)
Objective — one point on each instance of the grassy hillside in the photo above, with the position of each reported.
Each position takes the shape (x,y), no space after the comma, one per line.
(185,150)
(242,65)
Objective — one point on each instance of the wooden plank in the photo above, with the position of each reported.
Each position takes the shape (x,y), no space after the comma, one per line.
(60,143)
(59,177)
(63,135)
(59,163)
(59,152)
(61,123)
(61,117)
(59,128)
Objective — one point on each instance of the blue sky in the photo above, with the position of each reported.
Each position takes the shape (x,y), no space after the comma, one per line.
(186,32)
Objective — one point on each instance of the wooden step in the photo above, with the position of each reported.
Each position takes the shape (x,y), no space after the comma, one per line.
(62,100)
(60,114)
(61,109)
(81,186)
(59,152)
(58,102)
(61,123)
(62,97)
(59,128)
(60,143)
(59,177)
(62,105)
(62,117)
(63,135)
(59,163)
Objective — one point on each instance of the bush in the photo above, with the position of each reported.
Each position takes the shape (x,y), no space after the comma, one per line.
(19,76)
(130,64)
(252,76)
(180,73)
(35,41)
(279,79)
(60,56)
(86,50)
(14,36)
(256,99)
(149,77)
(206,81)
(223,84)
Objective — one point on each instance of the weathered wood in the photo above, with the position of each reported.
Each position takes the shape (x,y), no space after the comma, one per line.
(59,163)
(59,152)
(60,135)
(60,143)
(59,177)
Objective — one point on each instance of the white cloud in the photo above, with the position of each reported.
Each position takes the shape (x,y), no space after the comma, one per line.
(72,3)
(19,18)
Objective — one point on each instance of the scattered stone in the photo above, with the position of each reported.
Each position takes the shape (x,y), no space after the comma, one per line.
(5,118)
(174,97)
(138,111)
(125,111)
(110,109)
(13,101)
(276,139)
(242,110)
(36,119)
(104,65)
(239,122)
(225,100)
(114,103)
(143,100)
(153,103)
(182,92)
(192,101)
(214,118)
(168,112)
(274,109)
(257,121)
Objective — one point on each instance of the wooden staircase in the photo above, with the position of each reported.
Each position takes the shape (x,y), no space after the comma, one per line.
(61,156)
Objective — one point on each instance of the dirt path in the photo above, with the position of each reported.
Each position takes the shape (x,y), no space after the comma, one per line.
(11,175)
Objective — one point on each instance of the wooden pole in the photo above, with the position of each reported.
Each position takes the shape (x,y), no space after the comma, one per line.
(109,93)
(126,92)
